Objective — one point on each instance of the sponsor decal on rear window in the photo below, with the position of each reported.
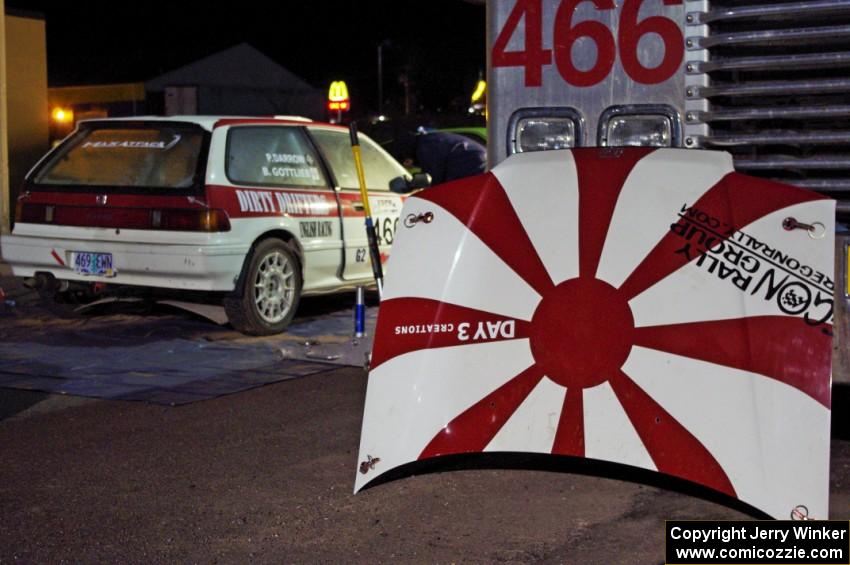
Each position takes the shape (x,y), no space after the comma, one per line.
(134,144)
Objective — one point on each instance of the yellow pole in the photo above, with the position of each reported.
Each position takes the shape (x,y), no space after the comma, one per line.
(5,195)
(371,236)
(361,178)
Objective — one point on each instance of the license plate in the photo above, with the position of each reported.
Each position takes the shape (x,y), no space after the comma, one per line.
(99,264)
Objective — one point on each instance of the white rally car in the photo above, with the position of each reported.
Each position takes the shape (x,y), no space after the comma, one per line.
(256,211)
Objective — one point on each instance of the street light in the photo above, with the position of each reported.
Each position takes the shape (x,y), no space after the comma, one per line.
(62,115)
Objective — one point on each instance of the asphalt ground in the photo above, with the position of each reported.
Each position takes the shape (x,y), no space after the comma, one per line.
(266,476)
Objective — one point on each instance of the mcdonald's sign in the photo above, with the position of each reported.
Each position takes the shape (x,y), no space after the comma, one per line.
(338,97)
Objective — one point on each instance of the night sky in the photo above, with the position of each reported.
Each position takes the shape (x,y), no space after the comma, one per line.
(439,43)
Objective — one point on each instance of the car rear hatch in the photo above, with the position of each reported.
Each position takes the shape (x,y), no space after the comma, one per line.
(145,175)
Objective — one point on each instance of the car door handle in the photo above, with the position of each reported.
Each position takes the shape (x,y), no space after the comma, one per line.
(358,206)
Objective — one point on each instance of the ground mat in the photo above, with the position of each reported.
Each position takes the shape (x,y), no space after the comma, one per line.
(172,373)
(165,355)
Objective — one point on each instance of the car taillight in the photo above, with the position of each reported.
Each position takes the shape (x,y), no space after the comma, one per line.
(21,211)
(170,219)
(30,213)
(191,220)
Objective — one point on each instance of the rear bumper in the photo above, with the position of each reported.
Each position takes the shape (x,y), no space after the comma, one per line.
(155,264)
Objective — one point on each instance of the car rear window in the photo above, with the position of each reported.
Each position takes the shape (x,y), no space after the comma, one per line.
(157,156)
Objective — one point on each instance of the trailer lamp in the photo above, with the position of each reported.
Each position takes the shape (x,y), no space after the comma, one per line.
(543,134)
(639,131)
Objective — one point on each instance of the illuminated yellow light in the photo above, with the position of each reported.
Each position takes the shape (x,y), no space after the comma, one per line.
(480,91)
(62,116)
(338,91)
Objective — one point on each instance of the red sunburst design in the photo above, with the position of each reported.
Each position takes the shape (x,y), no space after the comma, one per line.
(583,330)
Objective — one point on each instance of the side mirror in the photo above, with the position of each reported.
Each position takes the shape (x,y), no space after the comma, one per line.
(406,184)
(420,180)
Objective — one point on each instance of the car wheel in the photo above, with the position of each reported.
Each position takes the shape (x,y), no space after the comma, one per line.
(268,291)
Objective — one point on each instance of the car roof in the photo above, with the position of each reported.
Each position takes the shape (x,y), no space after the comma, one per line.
(211,122)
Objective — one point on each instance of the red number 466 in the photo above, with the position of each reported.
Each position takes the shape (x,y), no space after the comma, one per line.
(629,32)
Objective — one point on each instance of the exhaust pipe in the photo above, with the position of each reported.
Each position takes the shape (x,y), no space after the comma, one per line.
(42,281)
(46,282)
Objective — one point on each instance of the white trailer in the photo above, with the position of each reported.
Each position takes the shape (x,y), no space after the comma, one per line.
(769,82)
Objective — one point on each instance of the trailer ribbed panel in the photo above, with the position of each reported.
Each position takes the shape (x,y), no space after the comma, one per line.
(778,89)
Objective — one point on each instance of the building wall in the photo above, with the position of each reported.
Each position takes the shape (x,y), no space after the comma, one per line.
(91,102)
(260,102)
(26,88)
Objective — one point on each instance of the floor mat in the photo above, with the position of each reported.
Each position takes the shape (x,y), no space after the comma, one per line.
(172,373)
(165,355)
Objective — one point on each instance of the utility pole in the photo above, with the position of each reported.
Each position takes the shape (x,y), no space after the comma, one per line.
(404,79)
(381,45)
(380,78)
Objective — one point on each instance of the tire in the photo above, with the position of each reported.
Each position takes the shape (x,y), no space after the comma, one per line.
(268,290)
